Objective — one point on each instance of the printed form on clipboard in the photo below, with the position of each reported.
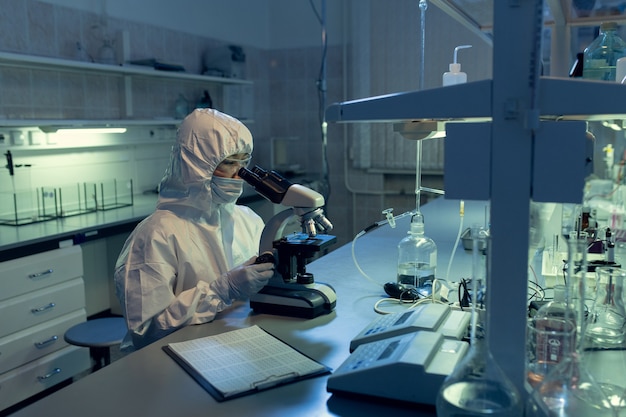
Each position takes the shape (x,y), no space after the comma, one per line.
(242,361)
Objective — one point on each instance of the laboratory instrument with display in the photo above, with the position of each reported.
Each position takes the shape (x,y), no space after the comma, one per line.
(292,291)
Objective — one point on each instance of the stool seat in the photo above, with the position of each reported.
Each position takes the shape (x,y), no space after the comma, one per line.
(98,335)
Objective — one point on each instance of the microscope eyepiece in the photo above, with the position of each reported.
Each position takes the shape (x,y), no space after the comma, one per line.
(270,185)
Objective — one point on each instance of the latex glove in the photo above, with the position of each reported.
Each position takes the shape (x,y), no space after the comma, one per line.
(249,278)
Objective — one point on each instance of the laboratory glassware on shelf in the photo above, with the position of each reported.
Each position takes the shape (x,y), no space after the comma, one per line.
(569,389)
(602,54)
(477,386)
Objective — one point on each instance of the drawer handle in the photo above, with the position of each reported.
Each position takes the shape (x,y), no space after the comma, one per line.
(41,345)
(50,375)
(42,309)
(41,274)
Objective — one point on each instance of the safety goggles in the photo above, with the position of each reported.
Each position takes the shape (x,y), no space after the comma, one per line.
(239,162)
(230,166)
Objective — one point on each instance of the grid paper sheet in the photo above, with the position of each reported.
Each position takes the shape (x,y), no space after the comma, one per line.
(245,360)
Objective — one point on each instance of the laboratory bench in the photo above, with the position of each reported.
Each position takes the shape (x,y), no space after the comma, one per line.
(149,382)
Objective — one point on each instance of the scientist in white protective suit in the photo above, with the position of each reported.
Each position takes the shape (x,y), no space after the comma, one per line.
(195,254)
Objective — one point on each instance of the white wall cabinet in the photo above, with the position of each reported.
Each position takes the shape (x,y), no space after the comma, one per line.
(41,296)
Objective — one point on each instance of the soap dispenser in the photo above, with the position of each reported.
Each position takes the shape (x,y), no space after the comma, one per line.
(455,76)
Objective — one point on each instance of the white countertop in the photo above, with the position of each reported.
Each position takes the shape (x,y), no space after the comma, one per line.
(18,239)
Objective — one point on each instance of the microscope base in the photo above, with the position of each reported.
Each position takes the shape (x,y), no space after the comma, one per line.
(296,301)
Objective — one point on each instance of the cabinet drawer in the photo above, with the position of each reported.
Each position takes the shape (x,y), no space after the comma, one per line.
(34,342)
(31,273)
(37,307)
(23,382)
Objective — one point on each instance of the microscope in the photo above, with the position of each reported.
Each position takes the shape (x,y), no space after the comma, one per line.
(292,291)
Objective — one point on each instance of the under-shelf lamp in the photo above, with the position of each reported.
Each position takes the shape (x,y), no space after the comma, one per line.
(81,129)
(420,130)
(613,124)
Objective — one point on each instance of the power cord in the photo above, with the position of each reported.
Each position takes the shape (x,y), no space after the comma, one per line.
(413,302)
(391,220)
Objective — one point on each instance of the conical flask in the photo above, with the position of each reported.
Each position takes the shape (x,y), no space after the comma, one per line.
(605,339)
(477,386)
(569,390)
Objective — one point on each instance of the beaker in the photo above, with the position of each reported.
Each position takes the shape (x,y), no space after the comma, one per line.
(569,389)
(607,317)
(547,343)
(477,386)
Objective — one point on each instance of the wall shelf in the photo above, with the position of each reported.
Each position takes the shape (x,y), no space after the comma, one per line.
(39,62)
(19,123)
(130,77)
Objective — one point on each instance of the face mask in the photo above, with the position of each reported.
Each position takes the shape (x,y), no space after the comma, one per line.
(226,190)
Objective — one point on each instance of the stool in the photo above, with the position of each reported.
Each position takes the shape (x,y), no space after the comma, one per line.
(98,335)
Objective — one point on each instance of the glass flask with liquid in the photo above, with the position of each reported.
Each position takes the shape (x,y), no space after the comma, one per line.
(569,389)
(417,257)
(478,386)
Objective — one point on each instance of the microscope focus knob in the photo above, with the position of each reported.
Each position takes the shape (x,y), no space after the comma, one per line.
(305,278)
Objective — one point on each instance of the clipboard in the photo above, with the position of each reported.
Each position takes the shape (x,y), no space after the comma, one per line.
(241,362)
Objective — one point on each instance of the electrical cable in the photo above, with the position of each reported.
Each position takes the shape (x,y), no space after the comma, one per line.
(413,303)
(388,220)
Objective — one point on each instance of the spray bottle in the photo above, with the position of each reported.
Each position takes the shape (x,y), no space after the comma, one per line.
(455,76)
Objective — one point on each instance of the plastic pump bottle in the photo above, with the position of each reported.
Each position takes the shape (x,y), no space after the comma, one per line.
(417,257)
(455,76)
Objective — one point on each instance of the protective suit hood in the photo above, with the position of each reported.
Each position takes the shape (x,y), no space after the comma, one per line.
(204,139)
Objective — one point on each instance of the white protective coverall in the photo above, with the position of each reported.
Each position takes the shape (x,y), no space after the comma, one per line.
(193,256)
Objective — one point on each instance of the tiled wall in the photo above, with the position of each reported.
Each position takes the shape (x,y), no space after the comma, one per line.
(379,55)
(42,29)
(285,85)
